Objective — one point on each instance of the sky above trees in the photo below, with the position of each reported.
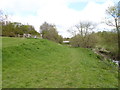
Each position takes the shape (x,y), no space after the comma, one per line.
(63,13)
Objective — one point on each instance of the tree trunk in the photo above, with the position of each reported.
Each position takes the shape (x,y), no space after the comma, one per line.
(118,32)
(119,46)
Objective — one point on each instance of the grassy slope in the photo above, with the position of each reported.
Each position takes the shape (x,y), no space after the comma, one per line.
(35,63)
(0,63)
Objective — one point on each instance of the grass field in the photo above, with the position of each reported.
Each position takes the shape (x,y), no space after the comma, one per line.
(0,63)
(39,63)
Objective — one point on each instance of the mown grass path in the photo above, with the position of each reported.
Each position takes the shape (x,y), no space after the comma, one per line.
(35,63)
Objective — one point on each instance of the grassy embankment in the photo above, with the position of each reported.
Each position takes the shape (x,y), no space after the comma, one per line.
(39,63)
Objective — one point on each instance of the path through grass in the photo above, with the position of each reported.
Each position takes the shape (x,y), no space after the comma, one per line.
(38,63)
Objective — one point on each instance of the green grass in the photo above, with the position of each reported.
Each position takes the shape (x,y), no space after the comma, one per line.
(0,63)
(39,63)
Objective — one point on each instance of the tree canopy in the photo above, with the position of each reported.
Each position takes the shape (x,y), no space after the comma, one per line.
(49,32)
(13,29)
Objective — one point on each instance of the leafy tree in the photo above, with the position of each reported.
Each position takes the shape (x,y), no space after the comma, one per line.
(12,29)
(49,32)
(8,30)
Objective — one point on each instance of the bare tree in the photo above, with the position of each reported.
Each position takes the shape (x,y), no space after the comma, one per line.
(72,31)
(114,16)
(84,28)
(1,21)
(84,35)
(2,16)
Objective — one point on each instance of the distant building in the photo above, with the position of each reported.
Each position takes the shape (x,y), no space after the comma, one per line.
(35,36)
(66,42)
(26,35)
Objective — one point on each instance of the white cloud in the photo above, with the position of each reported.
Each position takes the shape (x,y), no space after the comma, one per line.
(54,11)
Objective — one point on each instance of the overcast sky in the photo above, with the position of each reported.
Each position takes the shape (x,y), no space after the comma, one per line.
(63,13)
